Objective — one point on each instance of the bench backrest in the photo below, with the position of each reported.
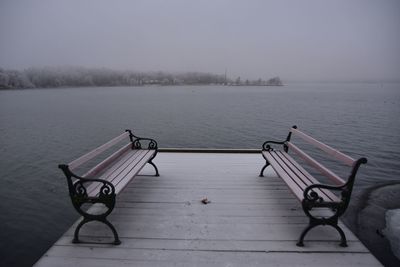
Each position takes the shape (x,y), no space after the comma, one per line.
(107,161)
(97,151)
(336,154)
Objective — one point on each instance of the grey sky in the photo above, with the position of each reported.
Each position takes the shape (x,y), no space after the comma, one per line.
(297,40)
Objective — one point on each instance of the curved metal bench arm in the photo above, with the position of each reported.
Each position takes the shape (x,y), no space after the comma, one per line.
(138,145)
(152,145)
(346,188)
(79,196)
(266,145)
(108,187)
(136,141)
(313,196)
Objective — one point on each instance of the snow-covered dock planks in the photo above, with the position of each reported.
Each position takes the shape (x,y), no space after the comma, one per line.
(250,221)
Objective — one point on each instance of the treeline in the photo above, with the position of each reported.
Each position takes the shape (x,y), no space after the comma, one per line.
(275,81)
(51,77)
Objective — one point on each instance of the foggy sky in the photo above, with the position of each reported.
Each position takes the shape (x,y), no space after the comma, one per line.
(297,40)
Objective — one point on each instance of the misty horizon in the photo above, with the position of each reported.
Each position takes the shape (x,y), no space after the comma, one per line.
(297,41)
(83,69)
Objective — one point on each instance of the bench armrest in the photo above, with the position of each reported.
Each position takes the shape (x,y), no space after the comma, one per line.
(313,200)
(79,194)
(266,146)
(107,189)
(78,188)
(137,144)
(152,144)
(313,196)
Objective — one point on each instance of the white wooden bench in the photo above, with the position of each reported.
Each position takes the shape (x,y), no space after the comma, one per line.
(307,189)
(108,178)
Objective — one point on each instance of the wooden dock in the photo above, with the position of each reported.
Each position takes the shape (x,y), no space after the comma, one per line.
(250,221)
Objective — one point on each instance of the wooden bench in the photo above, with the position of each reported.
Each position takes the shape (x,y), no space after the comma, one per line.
(307,189)
(105,180)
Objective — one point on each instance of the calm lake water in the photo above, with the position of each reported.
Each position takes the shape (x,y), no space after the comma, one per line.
(42,128)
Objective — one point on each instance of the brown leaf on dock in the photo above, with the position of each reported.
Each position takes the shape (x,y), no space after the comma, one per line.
(205,201)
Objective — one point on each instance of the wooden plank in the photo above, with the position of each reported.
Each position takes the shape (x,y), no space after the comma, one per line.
(329,150)
(125,177)
(209,187)
(303,180)
(301,171)
(121,163)
(209,219)
(105,163)
(188,200)
(215,198)
(213,206)
(121,176)
(230,194)
(185,230)
(328,173)
(226,245)
(167,196)
(299,179)
(293,186)
(286,213)
(65,256)
(79,161)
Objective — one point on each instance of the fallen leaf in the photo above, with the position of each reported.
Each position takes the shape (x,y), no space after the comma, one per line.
(205,201)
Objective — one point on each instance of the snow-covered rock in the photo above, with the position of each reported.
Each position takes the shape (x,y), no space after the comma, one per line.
(392,230)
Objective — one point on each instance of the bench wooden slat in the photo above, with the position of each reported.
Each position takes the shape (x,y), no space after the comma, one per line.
(135,170)
(329,150)
(312,180)
(115,170)
(129,165)
(107,172)
(95,186)
(299,177)
(294,187)
(304,178)
(105,163)
(328,173)
(79,161)
(302,181)
(124,171)
(120,163)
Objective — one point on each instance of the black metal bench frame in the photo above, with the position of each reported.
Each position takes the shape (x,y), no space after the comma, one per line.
(104,191)
(314,195)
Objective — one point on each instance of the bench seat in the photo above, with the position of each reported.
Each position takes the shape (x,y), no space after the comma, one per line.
(121,172)
(295,176)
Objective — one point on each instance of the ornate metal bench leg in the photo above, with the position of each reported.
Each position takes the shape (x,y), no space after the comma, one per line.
(343,241)
(116,238)
(332,221)
(85,220)
(263,168)
(303,234)
(76,234)
(155,167)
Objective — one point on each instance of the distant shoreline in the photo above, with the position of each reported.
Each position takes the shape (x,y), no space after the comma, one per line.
(137,86)
(54,77)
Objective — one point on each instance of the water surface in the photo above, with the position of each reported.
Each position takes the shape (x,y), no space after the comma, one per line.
(44,127)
